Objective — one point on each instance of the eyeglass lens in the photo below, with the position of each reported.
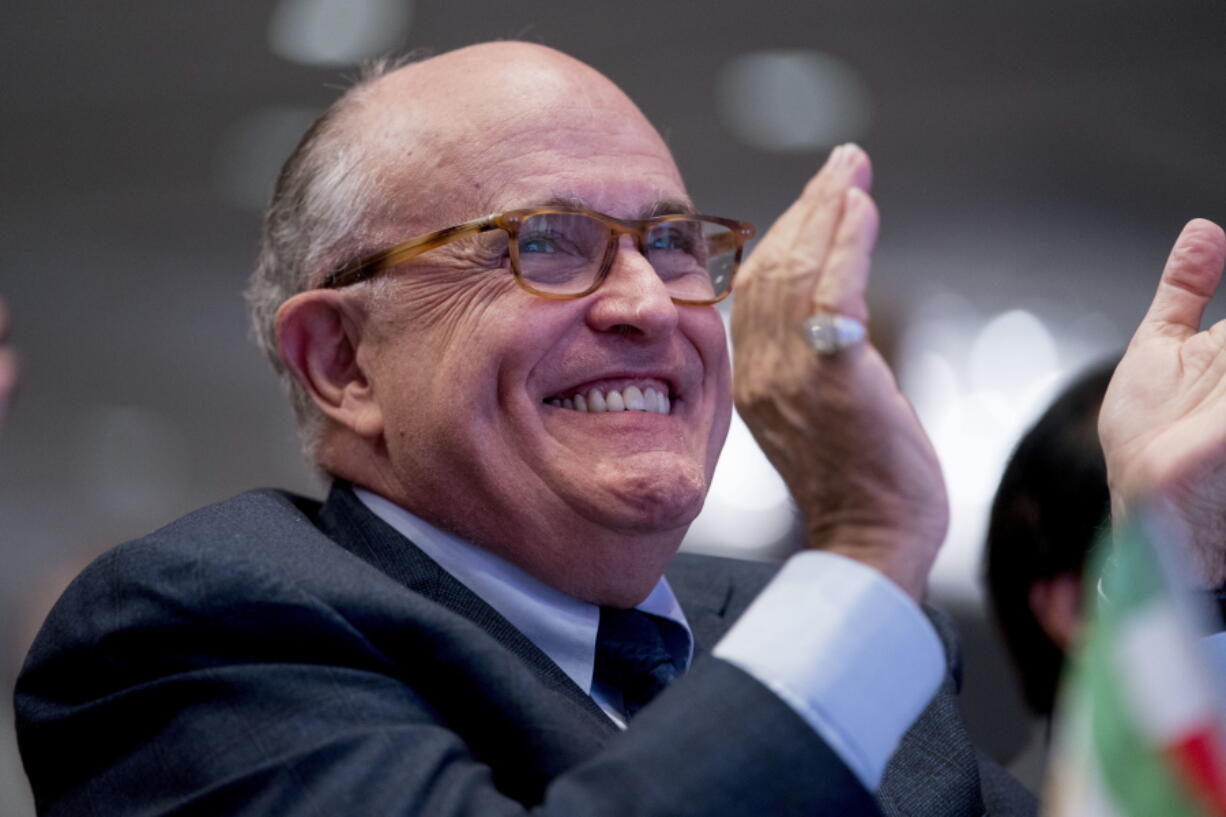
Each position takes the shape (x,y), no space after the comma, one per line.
(562,253)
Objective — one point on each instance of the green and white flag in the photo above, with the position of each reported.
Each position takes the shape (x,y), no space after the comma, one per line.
(1139,726)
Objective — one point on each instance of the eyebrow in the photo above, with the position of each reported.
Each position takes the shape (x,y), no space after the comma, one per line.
(659,207)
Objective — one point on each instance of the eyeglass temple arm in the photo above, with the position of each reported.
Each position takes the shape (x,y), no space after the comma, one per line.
(369,265)
(725,242)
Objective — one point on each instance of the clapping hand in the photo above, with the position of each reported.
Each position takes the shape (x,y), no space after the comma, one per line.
(836,426)
(1163,421)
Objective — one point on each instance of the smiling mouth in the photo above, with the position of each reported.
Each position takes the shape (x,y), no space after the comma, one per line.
(600,401)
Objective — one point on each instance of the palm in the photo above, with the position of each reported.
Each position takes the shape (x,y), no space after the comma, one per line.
(1163,423)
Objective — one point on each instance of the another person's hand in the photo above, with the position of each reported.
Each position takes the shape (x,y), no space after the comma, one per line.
(836,426)
(8,363)
(1163,422)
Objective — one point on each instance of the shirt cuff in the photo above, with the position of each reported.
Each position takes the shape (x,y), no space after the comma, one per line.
(844,647)
(1215,653)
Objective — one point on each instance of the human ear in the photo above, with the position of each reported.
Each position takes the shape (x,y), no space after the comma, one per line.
(318,334)
(1056,605)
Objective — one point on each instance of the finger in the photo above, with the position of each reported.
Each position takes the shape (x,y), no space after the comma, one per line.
(843,280)
(803,231)
(787,225)
(775,289)
(1191,276)
(825,205)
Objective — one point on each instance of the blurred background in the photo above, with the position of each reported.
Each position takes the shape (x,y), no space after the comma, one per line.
(1034,161)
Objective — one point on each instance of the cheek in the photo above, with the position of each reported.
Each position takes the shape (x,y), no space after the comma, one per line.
(445,307)
(445,329)
(431,360)
(705,329)
(718,434)
(472,352)
(707,334)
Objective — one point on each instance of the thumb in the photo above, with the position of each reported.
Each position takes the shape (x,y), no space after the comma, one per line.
(1191,276)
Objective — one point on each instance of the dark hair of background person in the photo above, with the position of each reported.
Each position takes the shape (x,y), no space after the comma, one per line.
(1051,503)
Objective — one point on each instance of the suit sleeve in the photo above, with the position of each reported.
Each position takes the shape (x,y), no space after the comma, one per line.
(168,684)
(860,700)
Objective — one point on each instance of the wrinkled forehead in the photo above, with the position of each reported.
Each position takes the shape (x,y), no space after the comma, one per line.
(453,145)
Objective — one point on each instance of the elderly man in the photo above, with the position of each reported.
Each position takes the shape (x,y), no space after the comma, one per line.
(521,413)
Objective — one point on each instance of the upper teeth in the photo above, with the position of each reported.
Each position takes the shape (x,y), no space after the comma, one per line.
(631,398)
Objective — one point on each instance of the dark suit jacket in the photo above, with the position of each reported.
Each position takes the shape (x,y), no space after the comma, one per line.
(271,656)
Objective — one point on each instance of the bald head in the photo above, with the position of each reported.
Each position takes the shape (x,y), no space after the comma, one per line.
(478,84)
(454,131)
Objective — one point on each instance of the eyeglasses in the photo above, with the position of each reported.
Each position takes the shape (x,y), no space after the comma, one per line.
(561,253)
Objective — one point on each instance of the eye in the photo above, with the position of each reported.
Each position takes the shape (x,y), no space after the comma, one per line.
(676,239)
(539,243)
(549,242)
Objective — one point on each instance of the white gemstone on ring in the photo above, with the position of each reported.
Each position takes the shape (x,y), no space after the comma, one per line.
(828,332)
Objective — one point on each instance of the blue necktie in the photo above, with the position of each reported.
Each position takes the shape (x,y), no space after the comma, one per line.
(632,657)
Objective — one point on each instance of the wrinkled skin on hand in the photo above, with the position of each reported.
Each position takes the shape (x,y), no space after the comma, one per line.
(1163,421)
(837,428)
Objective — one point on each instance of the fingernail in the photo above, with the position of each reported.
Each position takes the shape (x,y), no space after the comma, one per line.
(835,157)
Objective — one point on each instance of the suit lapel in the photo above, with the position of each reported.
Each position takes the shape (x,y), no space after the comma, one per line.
(352,525)
(714,592)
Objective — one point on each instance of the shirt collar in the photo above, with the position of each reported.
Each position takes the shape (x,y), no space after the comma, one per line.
(562,627)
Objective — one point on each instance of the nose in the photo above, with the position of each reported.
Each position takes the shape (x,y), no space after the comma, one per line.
(633,300)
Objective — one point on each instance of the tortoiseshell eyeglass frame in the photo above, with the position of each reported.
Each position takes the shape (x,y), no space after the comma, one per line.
(367,267)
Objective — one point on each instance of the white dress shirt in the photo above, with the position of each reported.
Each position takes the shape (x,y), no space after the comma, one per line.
(836,640)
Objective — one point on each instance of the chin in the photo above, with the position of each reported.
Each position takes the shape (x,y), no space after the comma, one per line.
(654,501)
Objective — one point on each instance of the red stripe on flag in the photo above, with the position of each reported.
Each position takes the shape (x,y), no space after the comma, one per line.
(1198,760)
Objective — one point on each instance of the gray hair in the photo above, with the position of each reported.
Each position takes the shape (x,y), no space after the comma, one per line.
(324,197)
